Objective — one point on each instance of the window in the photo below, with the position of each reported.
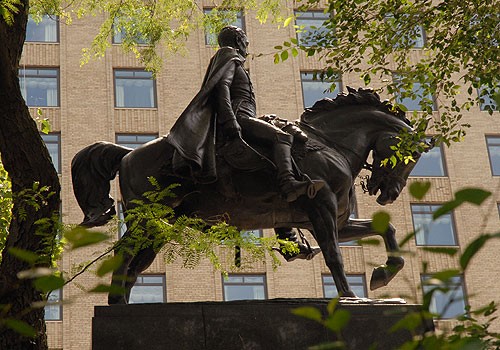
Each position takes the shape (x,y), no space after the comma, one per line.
(53,308)
(413,38)
(486,98)
(40,86)
(122,226)
(414,99)
(449,302)
(493,143)
(354,215)
(119,33)
(47,30)
(229,19)
(431,163)
(134,140)
(310,26)
(134,89)
(148,289)
(315,89)
(255,233)
(244,287)
(432,232)
(357,283)
(53,144)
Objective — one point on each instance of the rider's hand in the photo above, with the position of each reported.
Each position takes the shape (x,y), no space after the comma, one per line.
(231,129)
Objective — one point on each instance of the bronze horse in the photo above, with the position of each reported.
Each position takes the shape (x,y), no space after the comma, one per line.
(341,134)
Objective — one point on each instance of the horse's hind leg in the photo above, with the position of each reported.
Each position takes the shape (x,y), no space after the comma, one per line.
(382,274)
(141,261)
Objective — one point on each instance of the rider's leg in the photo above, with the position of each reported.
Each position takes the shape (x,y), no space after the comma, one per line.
(305,250)
(289,185)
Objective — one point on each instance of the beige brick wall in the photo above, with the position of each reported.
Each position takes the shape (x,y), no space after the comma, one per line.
(87,114)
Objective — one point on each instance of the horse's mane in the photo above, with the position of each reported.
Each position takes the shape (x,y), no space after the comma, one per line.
(360,97)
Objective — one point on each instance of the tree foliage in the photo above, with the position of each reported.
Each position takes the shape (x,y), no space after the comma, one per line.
(458,64)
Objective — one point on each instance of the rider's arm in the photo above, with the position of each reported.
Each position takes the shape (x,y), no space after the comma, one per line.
(223,106)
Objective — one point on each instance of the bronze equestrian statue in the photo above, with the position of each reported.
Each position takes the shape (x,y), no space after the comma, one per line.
(340,135)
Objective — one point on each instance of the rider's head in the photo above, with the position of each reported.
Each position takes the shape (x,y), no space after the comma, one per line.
(234,37)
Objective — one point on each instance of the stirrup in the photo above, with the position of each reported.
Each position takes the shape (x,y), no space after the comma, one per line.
(294,189)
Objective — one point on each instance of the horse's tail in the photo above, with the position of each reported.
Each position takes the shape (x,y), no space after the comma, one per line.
(92,169)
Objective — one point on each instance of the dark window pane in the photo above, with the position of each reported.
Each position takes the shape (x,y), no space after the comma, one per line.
(40,87)
(44,31)
(493,143)
(412,99)
(314,90)
(134,89)
(429,231)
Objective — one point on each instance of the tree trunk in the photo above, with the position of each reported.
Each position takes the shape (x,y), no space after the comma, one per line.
(27,161)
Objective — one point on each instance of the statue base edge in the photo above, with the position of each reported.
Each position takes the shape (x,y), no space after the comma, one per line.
(245,324)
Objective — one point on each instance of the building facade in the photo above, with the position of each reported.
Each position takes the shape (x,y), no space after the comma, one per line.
(114,99)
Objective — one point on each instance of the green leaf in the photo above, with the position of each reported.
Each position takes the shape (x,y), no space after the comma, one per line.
(46,284)
(472,195)
(24,255)
(287,21)
(419,189)
(276,58)
(111,289)
(294,51)
(309,312)
(367,79)
(374,242)
(338,320)
(284,55)
(472,250)
(442,250)
(380,221)
(444,275)
(20,327)
(45,126)
(81,237)
(109,265)
(332,304)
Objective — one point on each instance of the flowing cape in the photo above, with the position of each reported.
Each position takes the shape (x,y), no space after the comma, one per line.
(193,134)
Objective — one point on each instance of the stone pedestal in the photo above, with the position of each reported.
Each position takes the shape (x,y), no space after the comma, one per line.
(249,324)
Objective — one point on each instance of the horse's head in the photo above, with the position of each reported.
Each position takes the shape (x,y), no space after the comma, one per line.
(386,178)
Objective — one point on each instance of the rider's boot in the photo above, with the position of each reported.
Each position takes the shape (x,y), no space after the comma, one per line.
(289,185)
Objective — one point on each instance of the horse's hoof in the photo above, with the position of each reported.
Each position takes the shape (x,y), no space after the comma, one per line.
(383,274)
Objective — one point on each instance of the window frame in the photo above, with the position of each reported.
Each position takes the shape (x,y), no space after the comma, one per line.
(226,283)
(58,164)
(56,304)
(396,77)
(305,79)
(433,207)
(134,144)
(23,76)
(496,145)
(308,16)
(463,290)
(442,158)
(31,21)
(163,284)
(207,35)
(331,283)
(134,70)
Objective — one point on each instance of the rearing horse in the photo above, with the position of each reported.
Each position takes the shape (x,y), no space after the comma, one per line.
(342,133)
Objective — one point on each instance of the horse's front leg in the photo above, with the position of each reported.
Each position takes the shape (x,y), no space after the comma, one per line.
(322,213)
(382,274)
